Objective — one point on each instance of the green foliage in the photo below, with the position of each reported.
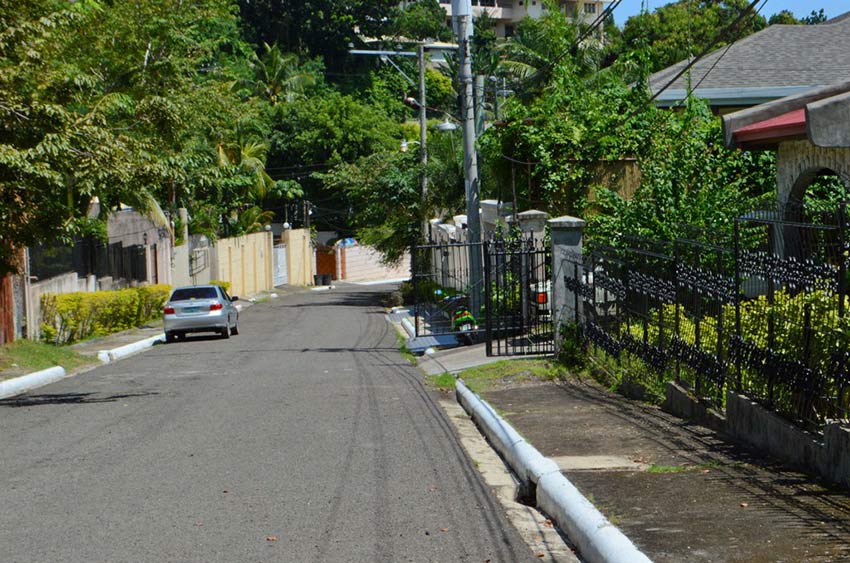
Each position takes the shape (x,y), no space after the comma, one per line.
(71,317)
(688,178)
(225,285)
(572,351)
(684,28)
(422,19)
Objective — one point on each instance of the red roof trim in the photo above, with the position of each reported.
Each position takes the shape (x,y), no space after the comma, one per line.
(791,124)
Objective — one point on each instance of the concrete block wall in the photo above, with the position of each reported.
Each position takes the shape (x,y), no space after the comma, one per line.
(246,262)
(361,263)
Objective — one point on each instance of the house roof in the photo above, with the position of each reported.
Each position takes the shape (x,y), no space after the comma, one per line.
(821,115)
(778,61)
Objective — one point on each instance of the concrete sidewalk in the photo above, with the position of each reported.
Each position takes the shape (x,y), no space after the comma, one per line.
(679,491)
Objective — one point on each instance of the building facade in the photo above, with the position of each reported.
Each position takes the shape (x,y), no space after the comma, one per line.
(508,13)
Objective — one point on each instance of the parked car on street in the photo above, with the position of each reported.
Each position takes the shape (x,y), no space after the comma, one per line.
(200,308)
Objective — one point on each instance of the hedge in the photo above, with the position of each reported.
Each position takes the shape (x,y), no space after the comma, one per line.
(71,317)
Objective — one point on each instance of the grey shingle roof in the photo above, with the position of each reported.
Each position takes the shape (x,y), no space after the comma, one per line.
(778,56)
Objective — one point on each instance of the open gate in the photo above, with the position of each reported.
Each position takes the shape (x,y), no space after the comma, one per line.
(518,298)
(497,291)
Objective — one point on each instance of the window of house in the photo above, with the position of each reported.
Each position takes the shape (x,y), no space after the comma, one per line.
(590,8)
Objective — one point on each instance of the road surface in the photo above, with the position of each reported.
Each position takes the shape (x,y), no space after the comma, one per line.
(306,438)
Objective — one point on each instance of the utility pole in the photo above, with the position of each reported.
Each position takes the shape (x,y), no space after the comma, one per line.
(423,138)
(462,12)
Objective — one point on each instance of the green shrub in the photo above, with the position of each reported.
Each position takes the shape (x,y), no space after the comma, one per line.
(225,285)
(573,348)
(71,317)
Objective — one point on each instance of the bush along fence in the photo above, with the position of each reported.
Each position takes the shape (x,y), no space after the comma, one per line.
(761,312)
(71,317)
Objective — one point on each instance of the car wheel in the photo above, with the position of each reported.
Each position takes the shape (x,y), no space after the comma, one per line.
(225,332)
(169,337)
(235,330)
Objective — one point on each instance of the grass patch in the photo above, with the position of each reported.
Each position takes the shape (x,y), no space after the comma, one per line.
(405,351)
(25,356)
(483,378)
(685,468)
(444,382)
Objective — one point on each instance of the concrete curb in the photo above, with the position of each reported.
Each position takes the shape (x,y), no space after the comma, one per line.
(107,356)
(18,385)
(598,540)
(408,327)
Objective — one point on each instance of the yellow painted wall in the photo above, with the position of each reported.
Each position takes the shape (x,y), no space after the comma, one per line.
(246,262)
(300,261)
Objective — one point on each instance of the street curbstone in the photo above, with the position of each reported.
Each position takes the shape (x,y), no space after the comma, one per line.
(132,348)
(597,539)
(24,383)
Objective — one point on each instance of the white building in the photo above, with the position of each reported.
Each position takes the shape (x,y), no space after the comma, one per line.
(508,13)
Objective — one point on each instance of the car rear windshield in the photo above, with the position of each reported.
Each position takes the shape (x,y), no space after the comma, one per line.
(194,293)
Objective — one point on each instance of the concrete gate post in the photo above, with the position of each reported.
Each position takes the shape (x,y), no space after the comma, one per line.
(566,234)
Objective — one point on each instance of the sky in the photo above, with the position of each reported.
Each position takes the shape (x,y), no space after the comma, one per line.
(799,8)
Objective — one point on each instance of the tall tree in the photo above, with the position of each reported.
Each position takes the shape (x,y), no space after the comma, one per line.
(684,28)
(317,27)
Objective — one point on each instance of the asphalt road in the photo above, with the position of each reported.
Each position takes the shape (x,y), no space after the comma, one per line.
(305,438)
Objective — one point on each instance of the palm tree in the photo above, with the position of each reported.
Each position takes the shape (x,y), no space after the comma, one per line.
(278,76)
(248,156)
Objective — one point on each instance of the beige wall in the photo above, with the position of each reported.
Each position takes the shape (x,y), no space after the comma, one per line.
(180,266)
(300,261)
(361,263)
(66,283)
(245,262)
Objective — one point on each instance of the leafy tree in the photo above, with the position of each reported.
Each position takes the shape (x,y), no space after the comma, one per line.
(319,27)
(279,77)
(785,17)
(815,18)
(689,178)
(532,55)
(683,28)
(422,19)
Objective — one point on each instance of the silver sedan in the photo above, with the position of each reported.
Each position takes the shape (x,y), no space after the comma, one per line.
(200,308)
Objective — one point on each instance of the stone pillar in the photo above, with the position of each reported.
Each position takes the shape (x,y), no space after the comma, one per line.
(533,221)
(567,233)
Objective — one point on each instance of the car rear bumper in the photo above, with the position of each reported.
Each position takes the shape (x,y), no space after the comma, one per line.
(206,323)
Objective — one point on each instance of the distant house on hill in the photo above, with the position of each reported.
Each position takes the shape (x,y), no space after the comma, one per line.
(778,61)
(508,13)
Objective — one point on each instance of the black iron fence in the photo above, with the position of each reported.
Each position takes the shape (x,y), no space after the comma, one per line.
(89,257)
(762,311)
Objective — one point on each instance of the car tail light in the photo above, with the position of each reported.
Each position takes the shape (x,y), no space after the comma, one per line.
(216,307)
(168,310)
(542,298)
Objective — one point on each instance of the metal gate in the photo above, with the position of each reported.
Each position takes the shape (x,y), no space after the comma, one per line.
(448,289)
(517,298)
(497,291)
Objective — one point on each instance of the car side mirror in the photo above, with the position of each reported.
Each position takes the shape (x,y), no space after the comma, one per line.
(235,298)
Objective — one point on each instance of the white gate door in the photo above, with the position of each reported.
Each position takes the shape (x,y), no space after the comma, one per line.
(280,276)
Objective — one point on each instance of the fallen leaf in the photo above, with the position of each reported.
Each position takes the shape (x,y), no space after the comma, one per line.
(706,470)
(444,529)
(271,538)
(433,488)
(540,555)
(548,523)
(225,492)
(744,505)
(199,524)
